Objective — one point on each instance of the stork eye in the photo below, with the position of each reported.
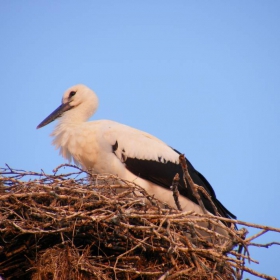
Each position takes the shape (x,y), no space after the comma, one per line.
(72,93)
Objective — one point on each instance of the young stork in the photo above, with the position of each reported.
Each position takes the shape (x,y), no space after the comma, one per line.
(109,147)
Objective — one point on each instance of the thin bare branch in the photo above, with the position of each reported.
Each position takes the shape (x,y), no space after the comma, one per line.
(85,226)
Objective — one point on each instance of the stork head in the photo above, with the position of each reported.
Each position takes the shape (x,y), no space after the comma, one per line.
(78,103)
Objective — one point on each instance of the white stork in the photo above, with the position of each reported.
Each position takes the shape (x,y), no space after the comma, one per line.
(106,146)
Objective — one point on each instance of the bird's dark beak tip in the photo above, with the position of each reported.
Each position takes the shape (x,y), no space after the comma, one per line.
(55,114)
(40,125)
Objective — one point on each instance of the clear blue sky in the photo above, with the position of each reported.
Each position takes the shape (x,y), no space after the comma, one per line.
(204,76)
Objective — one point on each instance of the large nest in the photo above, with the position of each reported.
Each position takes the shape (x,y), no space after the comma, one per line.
(80,226)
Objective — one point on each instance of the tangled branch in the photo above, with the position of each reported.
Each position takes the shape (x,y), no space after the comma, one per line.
(83,226)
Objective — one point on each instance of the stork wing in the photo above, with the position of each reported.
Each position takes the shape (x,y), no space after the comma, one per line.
(151,159)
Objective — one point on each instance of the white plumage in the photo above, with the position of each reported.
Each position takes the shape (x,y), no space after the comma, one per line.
(106,146)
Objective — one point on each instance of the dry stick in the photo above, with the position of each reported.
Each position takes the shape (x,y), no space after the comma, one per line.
(267,245)
(194,187)
(245,224)
(72,166)
(191,183)
(253,272)
(257,235)
(208,197)
(181,273)
(176,193)
(127,252)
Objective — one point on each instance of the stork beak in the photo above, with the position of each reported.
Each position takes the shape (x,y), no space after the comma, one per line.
(55,114)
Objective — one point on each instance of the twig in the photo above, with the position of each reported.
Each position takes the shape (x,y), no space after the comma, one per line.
(175,191)
(192,185)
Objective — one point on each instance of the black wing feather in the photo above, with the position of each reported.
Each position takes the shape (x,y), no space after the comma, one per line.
(162,174)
